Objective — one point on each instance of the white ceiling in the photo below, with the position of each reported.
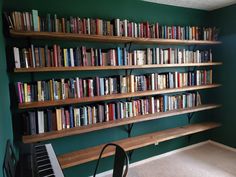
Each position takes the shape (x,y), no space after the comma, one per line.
(196,4)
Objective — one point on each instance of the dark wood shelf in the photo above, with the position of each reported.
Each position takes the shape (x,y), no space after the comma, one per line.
(115,123)
(92,153)
(108,39)
(97,68)
(70,101)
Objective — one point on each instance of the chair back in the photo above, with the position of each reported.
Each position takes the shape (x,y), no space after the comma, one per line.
(9,164)
(121,159)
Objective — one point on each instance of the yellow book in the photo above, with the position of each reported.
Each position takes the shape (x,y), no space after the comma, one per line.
(65,57)
(39,87)
(26,92)
(58,118)
(51,90)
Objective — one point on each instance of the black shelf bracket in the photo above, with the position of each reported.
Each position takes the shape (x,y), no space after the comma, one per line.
(129,129)
(190,116)
(130,153)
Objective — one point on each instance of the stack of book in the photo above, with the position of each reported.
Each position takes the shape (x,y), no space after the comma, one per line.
(63,118)
(78,88)
(31,21)
(58,56)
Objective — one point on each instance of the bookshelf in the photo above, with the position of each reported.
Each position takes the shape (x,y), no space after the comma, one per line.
(86,155)
(70,101)
(99,68)
(104,125)
(107,39)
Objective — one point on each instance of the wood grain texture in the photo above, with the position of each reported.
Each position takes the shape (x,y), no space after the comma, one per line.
(115,123)
(98,68)
(86,155)
(108,39)
(111,97)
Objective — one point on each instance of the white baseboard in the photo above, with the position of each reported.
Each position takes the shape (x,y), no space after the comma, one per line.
(109,172)
(223,146)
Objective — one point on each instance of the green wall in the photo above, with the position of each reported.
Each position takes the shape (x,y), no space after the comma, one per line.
(226,73)
(132,10)
(5,115)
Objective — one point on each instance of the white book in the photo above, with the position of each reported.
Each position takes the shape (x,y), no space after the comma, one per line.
(157,56)
(126,28)
(16,57)
(72,57)
(78,87)
(33,55)
(117,27)
(88,26)
(40,122)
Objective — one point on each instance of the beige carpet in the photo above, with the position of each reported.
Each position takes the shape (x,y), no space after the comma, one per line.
(207,160)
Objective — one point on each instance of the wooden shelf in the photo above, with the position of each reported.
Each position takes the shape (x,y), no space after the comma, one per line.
(86,155)
(111,97)
(96,68)
(115,123)
(108,39)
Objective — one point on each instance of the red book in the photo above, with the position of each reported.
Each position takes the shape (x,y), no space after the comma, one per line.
(110,112)
(67,119)
(178,79)
(84,26)
(173,32)
(55,55)
(59,55)
(97,86)
(84,56)
(147,30)
(81,87)
(92,57)
(141,30)
(169,55)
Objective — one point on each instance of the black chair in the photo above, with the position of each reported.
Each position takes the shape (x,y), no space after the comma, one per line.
(121,160)
(9,164)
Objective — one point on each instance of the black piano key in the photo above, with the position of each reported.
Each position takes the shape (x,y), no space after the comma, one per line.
(44,167)
(46,173)
(43,162)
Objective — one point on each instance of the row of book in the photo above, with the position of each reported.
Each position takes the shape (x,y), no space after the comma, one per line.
(78,88)
(57,56)
(31,21)
(64,118)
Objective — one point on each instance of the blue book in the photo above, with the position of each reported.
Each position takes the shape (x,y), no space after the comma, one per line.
(100,57)
(119,56)
(102,92)
(85,115)
(165,104)
(71,117)
(68,57)
(35,18)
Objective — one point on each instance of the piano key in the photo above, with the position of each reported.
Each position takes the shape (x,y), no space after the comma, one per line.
(55,164)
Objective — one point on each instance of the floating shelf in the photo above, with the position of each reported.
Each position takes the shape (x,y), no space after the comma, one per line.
(107,39)
(97,68)
(115,123)
(111,97)
(92,153)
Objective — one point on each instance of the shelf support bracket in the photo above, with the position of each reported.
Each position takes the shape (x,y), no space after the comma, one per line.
(190,116)
(130,153)
(129,129)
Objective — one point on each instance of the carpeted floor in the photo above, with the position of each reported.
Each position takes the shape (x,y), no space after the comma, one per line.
(207,160)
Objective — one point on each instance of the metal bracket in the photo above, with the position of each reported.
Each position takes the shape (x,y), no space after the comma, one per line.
(190,116)
(130,153)
(129,129)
